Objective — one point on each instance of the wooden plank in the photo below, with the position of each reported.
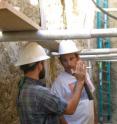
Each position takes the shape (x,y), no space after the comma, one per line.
(13,20)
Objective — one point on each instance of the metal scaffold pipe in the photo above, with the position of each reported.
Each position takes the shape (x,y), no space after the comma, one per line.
(99,57)
(109,32)
(98,51)
(57,34)
(103,55)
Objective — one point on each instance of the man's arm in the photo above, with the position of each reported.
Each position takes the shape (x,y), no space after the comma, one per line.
(73,102)
(80,74)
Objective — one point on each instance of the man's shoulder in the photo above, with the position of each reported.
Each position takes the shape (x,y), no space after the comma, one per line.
(63,75)
(63,78)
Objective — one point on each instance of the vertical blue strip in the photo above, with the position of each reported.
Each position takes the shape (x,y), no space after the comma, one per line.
(107,45)
(100,45)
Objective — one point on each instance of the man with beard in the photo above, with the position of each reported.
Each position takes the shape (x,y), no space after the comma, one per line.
(36,104)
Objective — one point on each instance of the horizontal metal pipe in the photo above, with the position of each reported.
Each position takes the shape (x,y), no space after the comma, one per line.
(57,34)
(112,32)
(90,52)
(96,57)
(101,60)
(44,35)
(109,60)
(98,51)
(99,57)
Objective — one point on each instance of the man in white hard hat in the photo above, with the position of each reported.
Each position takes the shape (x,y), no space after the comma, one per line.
(64,84)
(36,104)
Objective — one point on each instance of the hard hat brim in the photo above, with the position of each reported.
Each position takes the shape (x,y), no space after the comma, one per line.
(59,54)
(19,63)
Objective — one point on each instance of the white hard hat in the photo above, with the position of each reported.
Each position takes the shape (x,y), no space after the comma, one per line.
(66,47)
(32,52)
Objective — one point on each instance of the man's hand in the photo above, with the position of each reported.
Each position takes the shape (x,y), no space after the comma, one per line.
(80,72)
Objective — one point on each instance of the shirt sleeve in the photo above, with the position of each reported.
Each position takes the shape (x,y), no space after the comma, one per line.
(53,104)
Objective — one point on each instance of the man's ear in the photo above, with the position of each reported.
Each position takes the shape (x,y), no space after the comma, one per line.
(41,64)
(38,65)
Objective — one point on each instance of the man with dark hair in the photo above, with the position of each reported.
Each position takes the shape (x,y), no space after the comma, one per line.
(36,104)
(65,83)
